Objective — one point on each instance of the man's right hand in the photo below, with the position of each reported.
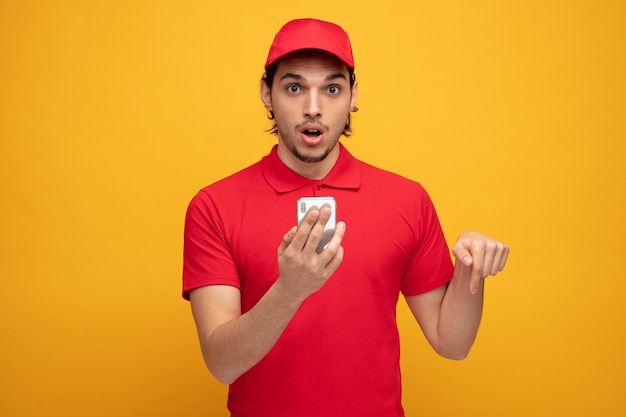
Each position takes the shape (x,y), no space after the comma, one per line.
(302,270)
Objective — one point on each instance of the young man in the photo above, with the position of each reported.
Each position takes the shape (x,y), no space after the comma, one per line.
(301,333)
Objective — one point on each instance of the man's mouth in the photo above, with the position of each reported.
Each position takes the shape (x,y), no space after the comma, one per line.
(312,132)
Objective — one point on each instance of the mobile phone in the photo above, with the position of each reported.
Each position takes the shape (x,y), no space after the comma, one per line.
(306,203)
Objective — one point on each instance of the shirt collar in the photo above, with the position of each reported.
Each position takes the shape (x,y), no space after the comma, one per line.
(344,174)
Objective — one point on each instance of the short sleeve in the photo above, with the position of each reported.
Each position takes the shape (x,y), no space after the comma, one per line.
(207,257)
(430,265)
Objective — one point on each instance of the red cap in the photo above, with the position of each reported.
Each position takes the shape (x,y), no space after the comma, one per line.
(311,34)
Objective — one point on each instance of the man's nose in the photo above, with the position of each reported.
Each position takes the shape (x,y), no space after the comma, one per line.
(312,107)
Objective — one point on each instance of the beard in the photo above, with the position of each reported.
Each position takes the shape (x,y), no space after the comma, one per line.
(309,157)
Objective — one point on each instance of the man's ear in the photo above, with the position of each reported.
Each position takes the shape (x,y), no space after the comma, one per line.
(266,96)
(355,93)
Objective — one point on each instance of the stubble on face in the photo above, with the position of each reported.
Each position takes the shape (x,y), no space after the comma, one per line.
(283,133)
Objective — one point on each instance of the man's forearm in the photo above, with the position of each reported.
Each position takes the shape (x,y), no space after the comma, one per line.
(236,346)
(232,342)
(460,316)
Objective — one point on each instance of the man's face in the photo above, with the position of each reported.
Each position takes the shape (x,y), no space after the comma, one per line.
(311,99)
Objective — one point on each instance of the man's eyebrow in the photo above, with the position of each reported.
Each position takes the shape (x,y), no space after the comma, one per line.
(329,77)
(292,75)
(335,76)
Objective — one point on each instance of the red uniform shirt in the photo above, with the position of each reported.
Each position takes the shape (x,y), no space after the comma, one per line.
(339,356)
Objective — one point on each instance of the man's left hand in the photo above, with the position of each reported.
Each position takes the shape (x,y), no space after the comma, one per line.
(481,255)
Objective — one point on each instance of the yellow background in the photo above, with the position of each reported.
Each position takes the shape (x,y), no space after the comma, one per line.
(114,113)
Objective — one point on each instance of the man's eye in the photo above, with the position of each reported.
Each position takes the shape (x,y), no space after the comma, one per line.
(293,88)
(333,89)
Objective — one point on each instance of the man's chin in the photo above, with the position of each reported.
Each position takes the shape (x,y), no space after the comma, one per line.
(311,157)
